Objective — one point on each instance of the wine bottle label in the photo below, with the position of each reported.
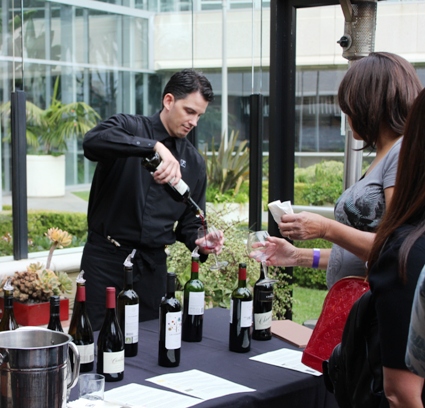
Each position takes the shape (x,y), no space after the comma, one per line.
(173,330)
(86,353)
(196,303)
(113,362)
(181,187)
(246,313)
(262,320)
(131,325)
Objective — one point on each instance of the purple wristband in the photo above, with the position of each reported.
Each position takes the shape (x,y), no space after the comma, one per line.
(316,258)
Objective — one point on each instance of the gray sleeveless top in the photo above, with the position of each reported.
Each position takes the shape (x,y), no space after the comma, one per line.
(362,206)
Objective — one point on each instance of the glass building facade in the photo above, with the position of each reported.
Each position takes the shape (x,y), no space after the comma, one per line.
(117,55)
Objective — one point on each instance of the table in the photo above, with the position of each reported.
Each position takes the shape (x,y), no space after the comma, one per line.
(276,387)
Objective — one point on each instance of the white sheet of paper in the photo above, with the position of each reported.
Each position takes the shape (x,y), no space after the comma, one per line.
(138,396)
(85,403)
(286,358)
(278,208)
(199,384)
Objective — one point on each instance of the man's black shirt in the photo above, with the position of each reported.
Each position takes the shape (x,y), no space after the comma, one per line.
(125,202)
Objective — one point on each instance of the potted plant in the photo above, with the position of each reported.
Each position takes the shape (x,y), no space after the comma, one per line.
(48,132)
(228,174)
(34,286)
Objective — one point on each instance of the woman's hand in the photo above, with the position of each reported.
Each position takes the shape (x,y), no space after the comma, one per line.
(169,171)
(279,252)
(303,226)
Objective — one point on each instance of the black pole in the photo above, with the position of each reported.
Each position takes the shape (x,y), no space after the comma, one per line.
(283,15)
(255,161)
(19,175)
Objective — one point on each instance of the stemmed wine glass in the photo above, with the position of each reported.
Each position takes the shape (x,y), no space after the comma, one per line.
(210,236)
(257,250)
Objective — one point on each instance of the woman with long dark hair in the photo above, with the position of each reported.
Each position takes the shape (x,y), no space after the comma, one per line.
(376,94)
(396,260)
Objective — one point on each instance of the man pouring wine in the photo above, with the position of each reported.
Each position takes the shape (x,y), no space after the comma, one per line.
(129,208)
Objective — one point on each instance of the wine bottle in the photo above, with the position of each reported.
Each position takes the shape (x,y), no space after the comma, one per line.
(110,344)
(8,321)
(180,192)
(80,328)
(240,315)
(128,310)
(263,306)
(193,305)
(170,326)
(54,320)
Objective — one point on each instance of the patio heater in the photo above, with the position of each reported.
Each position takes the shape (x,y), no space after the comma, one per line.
(357,42)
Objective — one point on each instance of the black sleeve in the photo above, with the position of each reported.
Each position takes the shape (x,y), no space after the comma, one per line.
(394,299)
(118,137)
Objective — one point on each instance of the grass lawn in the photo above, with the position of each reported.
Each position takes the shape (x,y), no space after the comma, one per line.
(307,304)
(82,194)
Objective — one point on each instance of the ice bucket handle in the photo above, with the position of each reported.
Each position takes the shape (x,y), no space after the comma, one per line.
(76,368)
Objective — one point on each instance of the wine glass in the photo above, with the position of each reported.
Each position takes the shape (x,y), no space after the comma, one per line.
(210,236)
(257,250)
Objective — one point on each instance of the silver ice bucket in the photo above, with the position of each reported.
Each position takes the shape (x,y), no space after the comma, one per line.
(34,368)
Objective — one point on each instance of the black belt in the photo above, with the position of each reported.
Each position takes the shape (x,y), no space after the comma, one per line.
(97,239)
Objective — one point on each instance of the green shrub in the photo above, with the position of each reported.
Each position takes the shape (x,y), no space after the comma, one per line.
(323,183)
(38,224)
(220,284)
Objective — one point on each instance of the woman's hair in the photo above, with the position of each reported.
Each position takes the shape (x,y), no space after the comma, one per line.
(187,81)
(408,202)
(378,90)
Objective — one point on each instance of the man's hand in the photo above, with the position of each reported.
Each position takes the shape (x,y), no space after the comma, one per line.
(169,171)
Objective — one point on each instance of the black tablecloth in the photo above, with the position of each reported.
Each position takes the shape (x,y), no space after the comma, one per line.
(275,386)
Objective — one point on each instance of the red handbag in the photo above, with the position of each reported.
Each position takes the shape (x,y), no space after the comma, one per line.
(330,325)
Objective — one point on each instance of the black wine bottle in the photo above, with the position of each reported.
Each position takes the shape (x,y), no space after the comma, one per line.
(263,306)
(8,321)
(170,326)
(110,344)
(180,192)
(54,320)
(128,310)
(193,305)
(80,329)
(240,315)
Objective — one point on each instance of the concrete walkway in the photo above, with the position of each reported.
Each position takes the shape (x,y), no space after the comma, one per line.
(69,202)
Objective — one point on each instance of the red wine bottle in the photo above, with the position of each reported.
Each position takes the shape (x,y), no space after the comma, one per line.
(180,192)
(193,305)
(263,306)
(54,320)
(240,315)
(170,326)
(8,321)
(81,331)
(128,310)
(110,344)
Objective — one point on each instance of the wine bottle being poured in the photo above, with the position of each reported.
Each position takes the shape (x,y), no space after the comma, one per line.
(180,192)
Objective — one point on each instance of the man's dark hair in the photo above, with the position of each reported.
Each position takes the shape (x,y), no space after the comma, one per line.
(187,81)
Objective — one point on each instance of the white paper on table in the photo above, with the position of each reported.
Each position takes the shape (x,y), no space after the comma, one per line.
(199,384)
(137,396)
(85,403)
(278,208)
(286,358)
